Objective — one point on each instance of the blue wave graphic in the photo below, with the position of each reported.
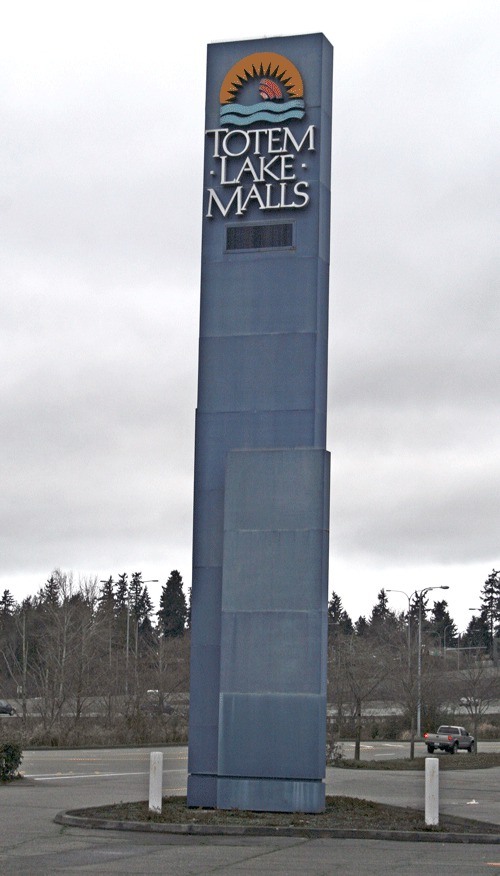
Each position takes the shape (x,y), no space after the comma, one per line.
(263,117)
(237,114)
(269,105)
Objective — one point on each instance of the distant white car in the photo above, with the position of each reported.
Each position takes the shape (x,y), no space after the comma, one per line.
(6,708)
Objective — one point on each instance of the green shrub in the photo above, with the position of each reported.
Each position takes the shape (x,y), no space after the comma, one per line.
(395,727)
(10,759)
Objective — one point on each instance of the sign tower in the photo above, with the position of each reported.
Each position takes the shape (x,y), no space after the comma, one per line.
(261,492)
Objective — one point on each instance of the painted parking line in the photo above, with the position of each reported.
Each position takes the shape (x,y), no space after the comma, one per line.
(94,775)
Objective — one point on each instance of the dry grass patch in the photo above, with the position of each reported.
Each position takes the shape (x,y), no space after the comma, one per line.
(341,813)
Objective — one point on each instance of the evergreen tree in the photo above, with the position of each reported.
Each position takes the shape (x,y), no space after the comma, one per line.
(382,616)
(7,605)
(361,626)
(135,593)
(441,625)
(338,619)
(106,616)
(51,592)
(490,605)
(122,609)
(477,634)
(381,607)
(106,598)
(121,595)
(173,611)
(144,611)
(134,608)
(420,603)
(7,612)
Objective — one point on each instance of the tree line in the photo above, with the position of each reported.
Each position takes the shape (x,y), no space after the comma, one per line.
(415,660)
(98,648)
(482,632)
(94,646)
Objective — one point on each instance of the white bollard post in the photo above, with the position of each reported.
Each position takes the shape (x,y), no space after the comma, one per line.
(155,781)
(431,791)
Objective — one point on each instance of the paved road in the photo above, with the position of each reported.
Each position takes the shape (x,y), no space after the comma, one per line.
(30,842)
(103,775)
(378,750)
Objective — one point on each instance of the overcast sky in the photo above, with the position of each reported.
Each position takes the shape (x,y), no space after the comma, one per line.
(102,114)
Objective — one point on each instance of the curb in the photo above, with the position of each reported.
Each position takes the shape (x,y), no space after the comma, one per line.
(70,819)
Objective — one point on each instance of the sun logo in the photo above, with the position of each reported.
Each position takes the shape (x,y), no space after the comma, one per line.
(262,76)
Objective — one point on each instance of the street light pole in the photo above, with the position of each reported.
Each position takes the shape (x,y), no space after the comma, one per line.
(136,649)
(421,594)
(409,627)
(474,608)
(447,627)
(412,717)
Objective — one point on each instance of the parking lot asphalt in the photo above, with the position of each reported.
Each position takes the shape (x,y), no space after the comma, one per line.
(469,793)
(32,843)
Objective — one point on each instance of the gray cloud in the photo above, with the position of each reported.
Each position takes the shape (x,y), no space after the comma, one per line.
(100,209)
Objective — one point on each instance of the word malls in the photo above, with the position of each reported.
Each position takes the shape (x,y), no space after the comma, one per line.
(258,166)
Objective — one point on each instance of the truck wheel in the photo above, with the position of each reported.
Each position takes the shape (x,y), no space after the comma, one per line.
(430,749)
